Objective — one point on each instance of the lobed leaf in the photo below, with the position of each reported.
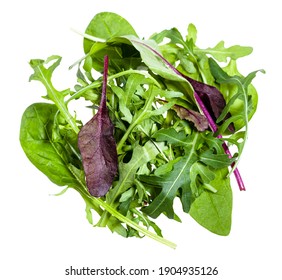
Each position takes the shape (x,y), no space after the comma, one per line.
(44,75)
(221,53)
(203,172)
(216,160)
(170,183)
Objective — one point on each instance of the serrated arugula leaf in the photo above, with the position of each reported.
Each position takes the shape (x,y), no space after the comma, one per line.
(128,97)
(200,175)
(216,160)
(171,136)
(191,33)
(127,171)
(172,182)
(242,84)
(221,53)
(44,75)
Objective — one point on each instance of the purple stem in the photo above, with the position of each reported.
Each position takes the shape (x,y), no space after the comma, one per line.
(213,127)
(105,78)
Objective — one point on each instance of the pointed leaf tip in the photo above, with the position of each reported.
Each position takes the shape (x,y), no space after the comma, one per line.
(98,147)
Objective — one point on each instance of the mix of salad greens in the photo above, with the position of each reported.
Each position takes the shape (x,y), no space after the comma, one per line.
(165,116)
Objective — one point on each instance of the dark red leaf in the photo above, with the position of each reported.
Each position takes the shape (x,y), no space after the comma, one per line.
(199,120)
(212,99)
(98,147)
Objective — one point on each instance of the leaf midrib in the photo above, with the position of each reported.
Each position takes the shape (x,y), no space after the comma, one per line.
(180,173)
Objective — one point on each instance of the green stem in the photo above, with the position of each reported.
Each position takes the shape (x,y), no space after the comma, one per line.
(98,202)
(112,77)
(124,219)
(139,118)
(64,111)
(246,119)
(59,102)
(145,112)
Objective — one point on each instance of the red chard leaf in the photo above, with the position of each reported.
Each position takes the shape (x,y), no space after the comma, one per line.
(199,120)
(98,147)
(212,99)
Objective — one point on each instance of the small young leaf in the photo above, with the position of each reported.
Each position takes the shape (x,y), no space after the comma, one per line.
(98,148)
(192,33)
(199,120)
(206,175)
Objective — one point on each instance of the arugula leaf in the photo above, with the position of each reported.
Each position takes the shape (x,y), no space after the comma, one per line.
(216,160)
(242,84)
(127,173)
(44,75)
(200,175)
(220,53)
(170,183)
(171,136)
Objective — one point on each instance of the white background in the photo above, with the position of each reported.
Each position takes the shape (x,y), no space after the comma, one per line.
(41,235)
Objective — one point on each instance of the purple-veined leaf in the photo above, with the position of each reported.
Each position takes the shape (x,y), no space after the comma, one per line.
(98,147)
(199,120)
(212,98)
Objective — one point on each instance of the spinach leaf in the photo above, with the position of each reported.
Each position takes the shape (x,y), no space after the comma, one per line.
(213,210)
(47,154)
(106,25)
